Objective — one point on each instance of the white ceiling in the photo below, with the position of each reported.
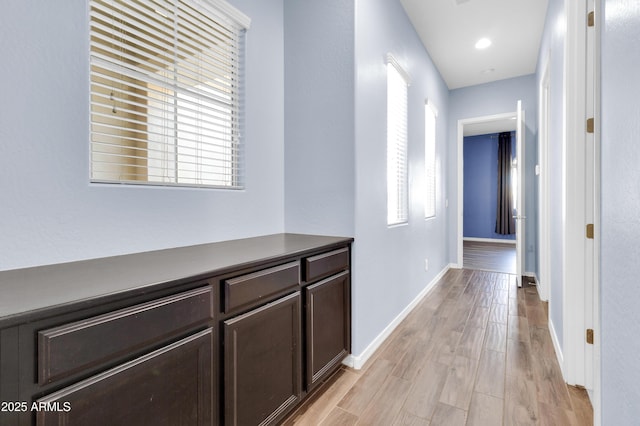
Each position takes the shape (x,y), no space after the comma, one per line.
(449,30)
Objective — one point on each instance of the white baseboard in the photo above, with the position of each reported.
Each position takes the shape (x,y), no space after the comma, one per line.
(489,240)
(556,346)
(357,361)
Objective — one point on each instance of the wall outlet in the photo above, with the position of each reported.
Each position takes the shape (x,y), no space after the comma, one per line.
(426,265)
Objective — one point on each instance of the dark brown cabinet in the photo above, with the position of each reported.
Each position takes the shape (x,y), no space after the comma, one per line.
(327,322)
(262,359)
(231,333)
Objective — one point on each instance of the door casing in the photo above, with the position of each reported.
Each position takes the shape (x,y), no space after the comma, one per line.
(460,201)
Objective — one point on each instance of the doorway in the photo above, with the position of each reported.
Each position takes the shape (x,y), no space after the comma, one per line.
(492,254)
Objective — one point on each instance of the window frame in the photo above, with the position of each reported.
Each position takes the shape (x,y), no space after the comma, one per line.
(176,65)
(430,145)
(397,143)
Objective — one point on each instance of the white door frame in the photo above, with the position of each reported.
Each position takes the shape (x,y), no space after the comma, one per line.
(591,181)
(520,216)
(573,195)
(460,212)
(596,51)
(544,249)
(581,257)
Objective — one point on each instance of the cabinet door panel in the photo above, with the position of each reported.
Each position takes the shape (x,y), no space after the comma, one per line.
(170,386)
(328,336)
(262,357)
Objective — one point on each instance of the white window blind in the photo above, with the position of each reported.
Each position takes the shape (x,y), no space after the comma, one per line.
(166,79)
(430,114)
(397,185)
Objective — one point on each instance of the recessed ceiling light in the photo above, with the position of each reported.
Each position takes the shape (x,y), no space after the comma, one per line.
(483,43)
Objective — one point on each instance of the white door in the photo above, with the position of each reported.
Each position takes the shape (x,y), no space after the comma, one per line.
(544,248)
(519,216)
(592,195)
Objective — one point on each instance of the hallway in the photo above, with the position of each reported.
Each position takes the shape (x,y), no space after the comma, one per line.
(475,351)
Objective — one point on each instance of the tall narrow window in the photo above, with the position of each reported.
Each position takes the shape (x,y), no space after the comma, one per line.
(430,114)
(166,78)
(397,186)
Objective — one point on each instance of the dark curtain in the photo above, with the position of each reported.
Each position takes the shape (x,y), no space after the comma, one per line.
(505,224)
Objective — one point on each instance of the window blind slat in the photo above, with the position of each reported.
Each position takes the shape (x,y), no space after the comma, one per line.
(213,169)
(155,71)
(146,35)
(104,115)
(213,115)
(122,77)
(196,19)
(105,145)
(116,25)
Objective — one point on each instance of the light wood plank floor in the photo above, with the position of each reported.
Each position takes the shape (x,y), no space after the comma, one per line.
(487,256)
(475,351)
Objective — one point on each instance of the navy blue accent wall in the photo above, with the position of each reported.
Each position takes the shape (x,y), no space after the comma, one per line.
(481,186)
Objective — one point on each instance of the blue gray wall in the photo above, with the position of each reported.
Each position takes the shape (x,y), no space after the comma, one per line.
(389,261)
(481,186)
(50,213)
(319,116)
(490,99)
(552,53)
(620,210)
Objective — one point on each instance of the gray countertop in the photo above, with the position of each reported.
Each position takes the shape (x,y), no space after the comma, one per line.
(23,291)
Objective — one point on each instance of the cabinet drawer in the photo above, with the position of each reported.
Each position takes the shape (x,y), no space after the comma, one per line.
(70,348)
(326,264)
(262,285)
